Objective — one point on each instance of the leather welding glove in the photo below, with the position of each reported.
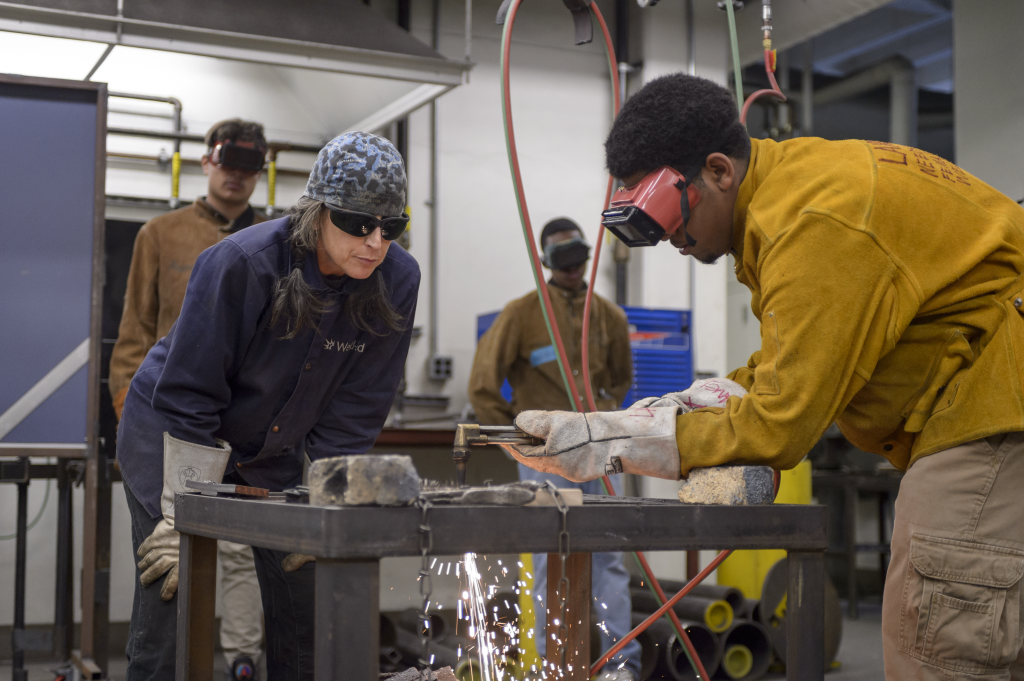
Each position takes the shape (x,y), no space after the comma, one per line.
(582,447)
(707,392)
(183,461)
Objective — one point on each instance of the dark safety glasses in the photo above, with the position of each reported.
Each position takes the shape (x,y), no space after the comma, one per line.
(362,224)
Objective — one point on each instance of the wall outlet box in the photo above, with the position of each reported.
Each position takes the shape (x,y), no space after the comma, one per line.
(440,367)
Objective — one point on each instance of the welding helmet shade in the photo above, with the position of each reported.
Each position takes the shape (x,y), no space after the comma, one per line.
(565,255)
(656,206)
(241,155)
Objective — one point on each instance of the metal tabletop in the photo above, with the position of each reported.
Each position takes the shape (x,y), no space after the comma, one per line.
(350,541)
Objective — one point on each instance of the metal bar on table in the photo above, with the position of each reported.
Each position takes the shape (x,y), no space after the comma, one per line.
(347,620)
(63,618)
(361,532)
(18,671)
(578,570)
(197,582)
(805,616)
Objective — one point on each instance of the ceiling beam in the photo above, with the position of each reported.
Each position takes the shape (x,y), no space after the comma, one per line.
(129,32)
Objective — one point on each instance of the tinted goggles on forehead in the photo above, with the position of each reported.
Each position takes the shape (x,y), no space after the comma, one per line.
(241,155)
(362,224)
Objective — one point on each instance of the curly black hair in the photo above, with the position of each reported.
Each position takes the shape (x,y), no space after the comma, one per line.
(675,120)
(236,130)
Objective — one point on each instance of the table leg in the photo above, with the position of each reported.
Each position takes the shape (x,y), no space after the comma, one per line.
(805,616)
(347,620)
(577,655)
(850,530)
(197,589)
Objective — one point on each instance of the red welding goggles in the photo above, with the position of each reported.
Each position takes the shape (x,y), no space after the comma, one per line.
(653,208)
(241,155)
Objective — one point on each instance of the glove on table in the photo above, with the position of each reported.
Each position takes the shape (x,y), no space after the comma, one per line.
(582,447)
(707,392)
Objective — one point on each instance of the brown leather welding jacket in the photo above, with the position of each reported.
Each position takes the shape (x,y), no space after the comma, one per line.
(517,347)
(166,248)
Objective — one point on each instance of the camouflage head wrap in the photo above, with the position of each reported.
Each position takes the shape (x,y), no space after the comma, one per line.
(359,171)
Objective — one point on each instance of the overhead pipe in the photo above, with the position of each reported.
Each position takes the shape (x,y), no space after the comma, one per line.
(173,101)
(807,91)
(899,73)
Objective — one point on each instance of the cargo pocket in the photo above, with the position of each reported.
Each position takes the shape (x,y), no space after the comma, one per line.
(961,607)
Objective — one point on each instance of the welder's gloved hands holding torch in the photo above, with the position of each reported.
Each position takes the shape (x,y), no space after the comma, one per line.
(183,461)
(639,440)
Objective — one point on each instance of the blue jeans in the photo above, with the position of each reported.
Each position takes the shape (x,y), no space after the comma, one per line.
(609,585)
(287,606)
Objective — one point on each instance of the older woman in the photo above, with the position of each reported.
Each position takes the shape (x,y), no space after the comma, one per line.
(292,340)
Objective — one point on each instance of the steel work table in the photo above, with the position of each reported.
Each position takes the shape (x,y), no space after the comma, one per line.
(349,543)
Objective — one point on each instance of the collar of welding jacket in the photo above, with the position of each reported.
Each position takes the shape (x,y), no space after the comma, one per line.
(745,195)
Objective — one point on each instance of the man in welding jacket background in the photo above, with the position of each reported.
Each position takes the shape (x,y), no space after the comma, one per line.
(518,347)
(890,286)
(166,248)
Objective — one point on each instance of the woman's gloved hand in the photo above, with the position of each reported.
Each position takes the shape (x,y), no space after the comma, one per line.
(582,447)
(159,555)
(293,561)
(707,392)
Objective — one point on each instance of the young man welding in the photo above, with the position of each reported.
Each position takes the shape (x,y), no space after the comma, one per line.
(517,347)
(166,248)
(890,286)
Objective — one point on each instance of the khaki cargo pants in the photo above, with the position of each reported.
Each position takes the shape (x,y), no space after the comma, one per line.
(953,591)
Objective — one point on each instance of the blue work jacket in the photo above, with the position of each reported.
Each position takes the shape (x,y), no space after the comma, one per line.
(222,372)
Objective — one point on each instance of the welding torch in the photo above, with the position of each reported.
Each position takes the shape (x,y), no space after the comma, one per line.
(474,435)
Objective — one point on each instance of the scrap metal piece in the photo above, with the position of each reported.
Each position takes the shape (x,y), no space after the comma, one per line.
(363,480)
(212,489)
(729,485)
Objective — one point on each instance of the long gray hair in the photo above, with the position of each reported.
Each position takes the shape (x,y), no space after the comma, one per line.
(296,303)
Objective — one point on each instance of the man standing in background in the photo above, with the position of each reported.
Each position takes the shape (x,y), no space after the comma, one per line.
(517,347)
(166,248)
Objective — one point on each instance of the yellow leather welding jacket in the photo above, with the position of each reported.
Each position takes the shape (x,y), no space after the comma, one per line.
(889,284)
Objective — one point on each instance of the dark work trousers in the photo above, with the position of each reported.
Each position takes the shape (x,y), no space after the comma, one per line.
(287,610)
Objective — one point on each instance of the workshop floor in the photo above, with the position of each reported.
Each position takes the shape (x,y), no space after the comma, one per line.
(860,654)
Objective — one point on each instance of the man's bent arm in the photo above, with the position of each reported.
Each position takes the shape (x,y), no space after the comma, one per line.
(827,301)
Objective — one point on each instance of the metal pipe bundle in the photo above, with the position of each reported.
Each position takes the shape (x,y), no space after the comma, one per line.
(662,654)
(717,615)
(731,595)
(746,652)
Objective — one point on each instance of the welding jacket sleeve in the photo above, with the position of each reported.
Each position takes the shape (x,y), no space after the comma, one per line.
(495,353)
(827,307)
(137,332)
(356,413)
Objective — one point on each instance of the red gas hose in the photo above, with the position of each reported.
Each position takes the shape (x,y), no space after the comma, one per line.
(775,91)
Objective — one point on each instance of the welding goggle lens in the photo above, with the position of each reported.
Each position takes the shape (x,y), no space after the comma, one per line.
(362,224)
(232,155)
(632,226)
(566,255)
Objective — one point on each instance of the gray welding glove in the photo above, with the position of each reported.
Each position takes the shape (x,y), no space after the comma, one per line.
(183,461)
(707,392)
(582,447)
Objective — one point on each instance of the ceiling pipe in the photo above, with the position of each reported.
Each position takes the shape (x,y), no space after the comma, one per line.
(901,77)
(896,72)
